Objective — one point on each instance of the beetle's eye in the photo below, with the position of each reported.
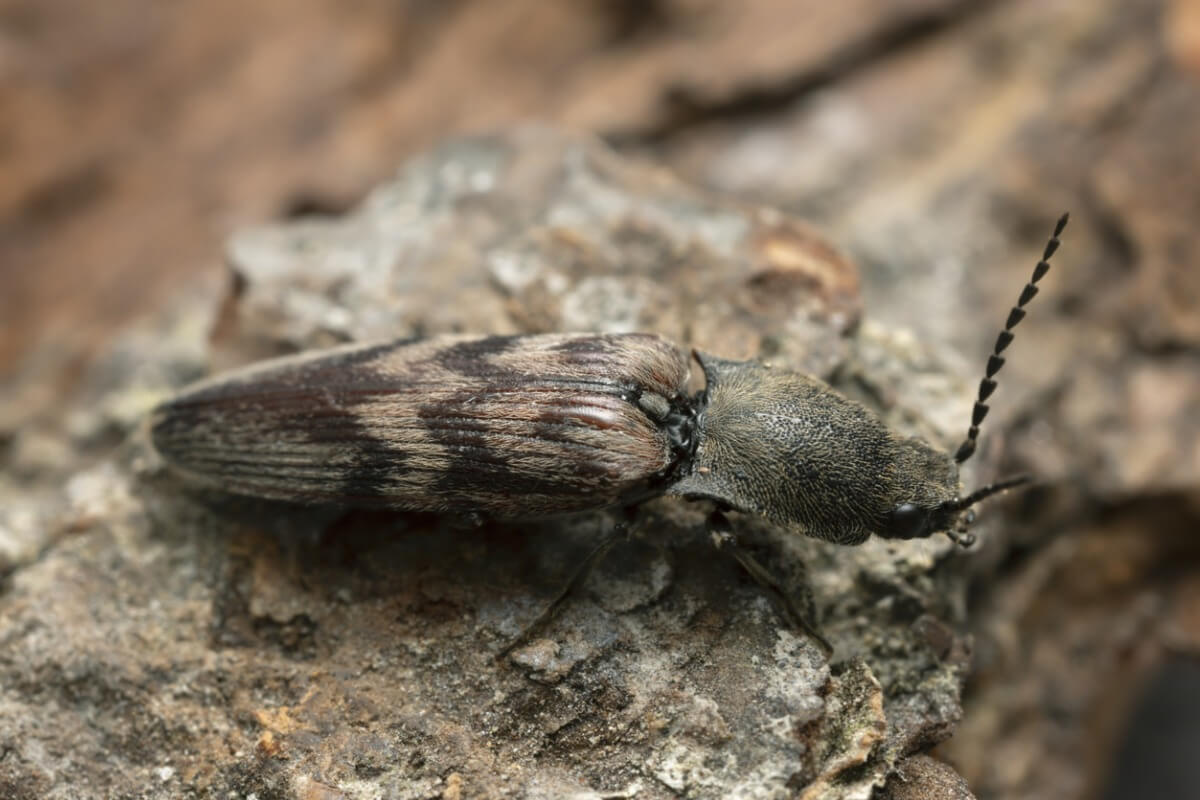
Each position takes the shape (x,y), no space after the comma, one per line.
(907,521)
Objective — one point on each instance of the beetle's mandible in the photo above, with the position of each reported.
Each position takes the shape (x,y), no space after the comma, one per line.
(526,426)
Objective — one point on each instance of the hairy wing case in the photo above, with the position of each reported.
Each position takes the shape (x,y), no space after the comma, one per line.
(507,425)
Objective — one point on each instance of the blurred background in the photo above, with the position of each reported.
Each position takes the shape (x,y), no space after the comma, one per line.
(934,140)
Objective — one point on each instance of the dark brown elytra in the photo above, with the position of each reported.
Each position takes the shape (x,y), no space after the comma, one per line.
(531,426)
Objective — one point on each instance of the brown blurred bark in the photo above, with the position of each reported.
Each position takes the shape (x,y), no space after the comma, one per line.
(138,135)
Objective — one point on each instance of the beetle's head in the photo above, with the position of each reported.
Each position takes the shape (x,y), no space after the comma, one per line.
(926,502)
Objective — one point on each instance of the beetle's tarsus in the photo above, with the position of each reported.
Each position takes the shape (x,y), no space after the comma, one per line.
(961,538)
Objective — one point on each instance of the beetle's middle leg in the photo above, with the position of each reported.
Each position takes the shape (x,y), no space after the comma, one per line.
(723,538)
(622,530)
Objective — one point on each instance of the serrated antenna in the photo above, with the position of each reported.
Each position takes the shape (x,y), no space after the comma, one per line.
(995,360)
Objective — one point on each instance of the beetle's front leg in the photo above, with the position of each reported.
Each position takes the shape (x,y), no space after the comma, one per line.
(723,538)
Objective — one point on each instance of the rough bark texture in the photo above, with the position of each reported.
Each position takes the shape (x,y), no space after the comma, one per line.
(147,645)
(269,650)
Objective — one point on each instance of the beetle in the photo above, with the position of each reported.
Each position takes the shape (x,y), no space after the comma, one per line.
(538,425)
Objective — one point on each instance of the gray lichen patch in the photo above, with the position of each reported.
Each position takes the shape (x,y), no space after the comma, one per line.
(173,644)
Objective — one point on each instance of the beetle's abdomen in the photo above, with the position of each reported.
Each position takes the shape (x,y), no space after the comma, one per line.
(513,426)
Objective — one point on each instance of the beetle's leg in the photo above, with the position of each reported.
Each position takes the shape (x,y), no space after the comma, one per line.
(621,530)
(723,538)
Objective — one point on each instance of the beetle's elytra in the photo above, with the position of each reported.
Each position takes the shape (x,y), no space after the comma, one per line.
(504,425)
(525,426)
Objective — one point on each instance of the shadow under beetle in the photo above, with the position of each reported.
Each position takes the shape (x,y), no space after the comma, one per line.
(540,425)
